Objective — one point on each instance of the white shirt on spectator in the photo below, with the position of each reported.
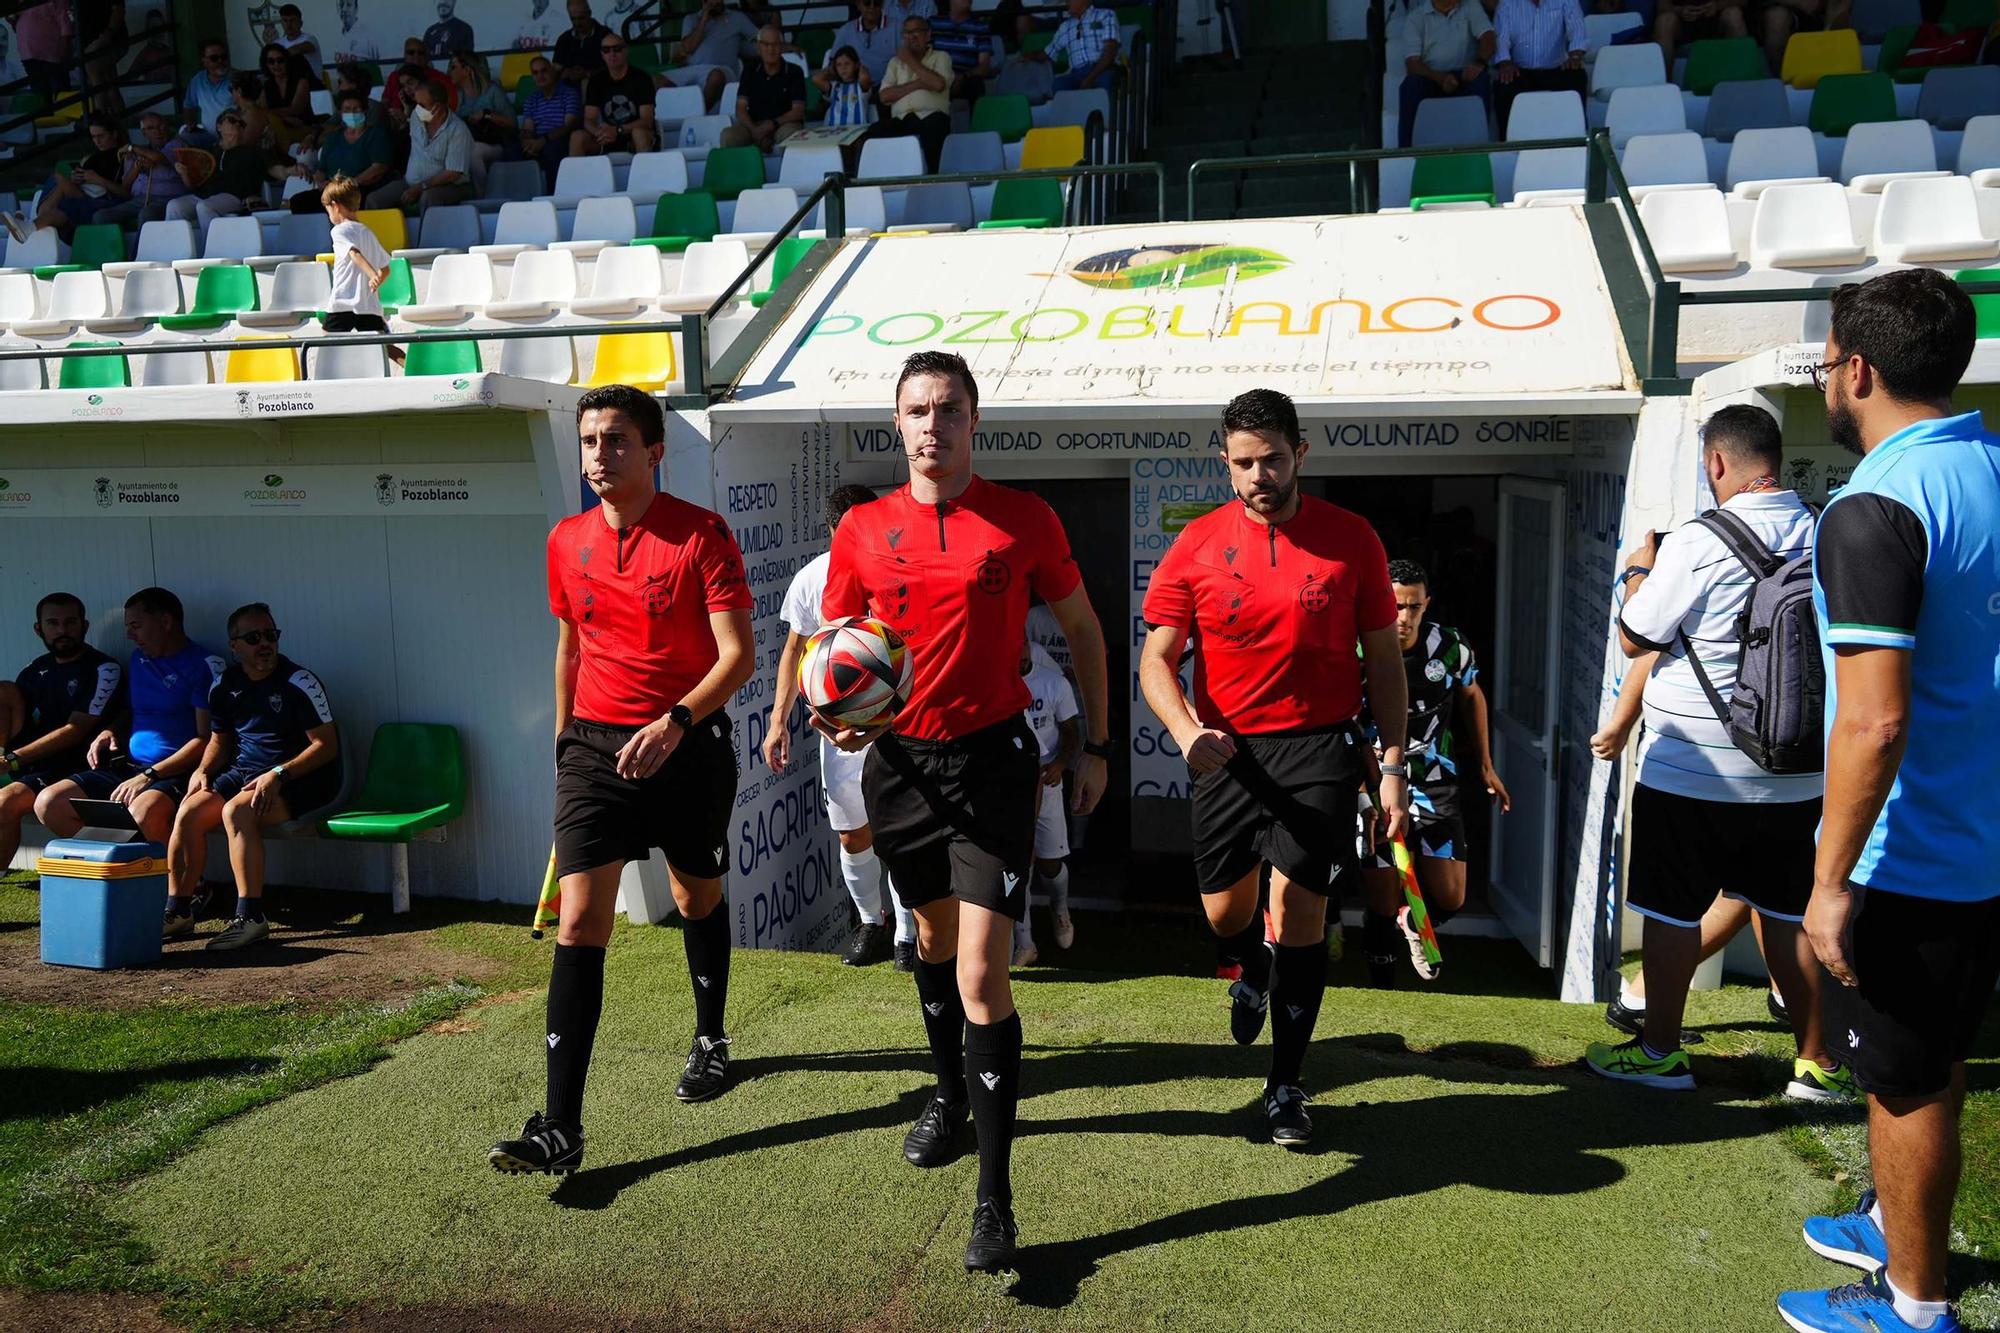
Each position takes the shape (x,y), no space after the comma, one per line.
(1447,41)
(443,145)
(1084,39)
(1538,34)
(314,57)
(1698,588)
(351,289)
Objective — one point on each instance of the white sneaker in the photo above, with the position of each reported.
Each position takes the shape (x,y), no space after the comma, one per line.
(1065,928)
(17,226)
(1025,953)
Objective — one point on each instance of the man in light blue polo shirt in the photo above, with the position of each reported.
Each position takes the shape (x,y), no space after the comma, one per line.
(208,91)
(1905,911)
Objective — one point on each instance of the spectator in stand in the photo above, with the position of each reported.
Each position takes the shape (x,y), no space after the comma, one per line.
(351,77)
(247,88)
(417,64)
(448,34)
(846,86)
(150,181)
(717,36)
(967,39)
(102,23)
(356,40)
(487,112)
(360,151)
(617,107)
(439,170)
(240,172)
(552,113)
(11,69)
(1450,47)
(1538,48)
(1677,23)
(286,94)
(292,35)
(208,92)
(577,53)
(1781,18)
(873,37)
(89,188)
(43,33)
(916,88)
(770,99)
(1089,38)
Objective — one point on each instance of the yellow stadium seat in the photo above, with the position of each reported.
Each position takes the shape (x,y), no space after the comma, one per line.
(389,226)
(514,66)
(262,365)
(1052,146)
(643,360)
(1811,56)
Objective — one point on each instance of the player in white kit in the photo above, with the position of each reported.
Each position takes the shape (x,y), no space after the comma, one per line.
(840,772)
(1058,726)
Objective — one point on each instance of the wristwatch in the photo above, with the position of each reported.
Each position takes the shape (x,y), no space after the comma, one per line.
(13,761)
(1395,770)
(148,773)
(1098,749)
(681,717)
(1634,571)
(278,772)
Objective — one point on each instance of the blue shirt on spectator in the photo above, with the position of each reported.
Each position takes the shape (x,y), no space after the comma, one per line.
(963,42)
(547,111)
(1084,39)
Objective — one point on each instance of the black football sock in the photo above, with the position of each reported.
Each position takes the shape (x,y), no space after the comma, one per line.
(180,905)
(1296,984)
(250,909)
(1381,941)
(944,1024)
(576,998)
(1249,947)
(993,1069)
(707,945)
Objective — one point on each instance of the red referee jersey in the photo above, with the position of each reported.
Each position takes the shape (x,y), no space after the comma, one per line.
(640,599)
(1276,612)
(953,579)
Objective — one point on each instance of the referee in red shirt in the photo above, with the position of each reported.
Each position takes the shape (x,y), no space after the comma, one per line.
(1275,591)
(653,637)
(949,560)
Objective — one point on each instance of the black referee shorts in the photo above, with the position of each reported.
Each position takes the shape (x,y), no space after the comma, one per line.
(1286,799)
(683,809)
(1927,969)
(956,818)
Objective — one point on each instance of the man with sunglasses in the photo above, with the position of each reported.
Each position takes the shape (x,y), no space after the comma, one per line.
(273,755)
(208,92)
(617,106)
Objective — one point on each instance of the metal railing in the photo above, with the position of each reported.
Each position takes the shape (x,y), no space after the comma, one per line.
(1081,171)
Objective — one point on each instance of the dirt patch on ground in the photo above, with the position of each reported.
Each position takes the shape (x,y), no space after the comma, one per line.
(324,948)
(81,1312)
(123,1312)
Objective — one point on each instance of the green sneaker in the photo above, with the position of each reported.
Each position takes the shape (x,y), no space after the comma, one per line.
(1810,1083)
(1629,1062)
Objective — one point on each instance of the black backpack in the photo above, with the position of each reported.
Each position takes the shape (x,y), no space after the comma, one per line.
(1776,712)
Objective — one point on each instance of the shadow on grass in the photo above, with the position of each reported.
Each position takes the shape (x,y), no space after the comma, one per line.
(40,1093)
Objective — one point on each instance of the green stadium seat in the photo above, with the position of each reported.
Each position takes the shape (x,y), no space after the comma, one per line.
(457,357)
(1985,308)
(1005,114)
(1842,101)
(1721,59)
(1453,178)
(1026,203)
(219,292)
(399,288)
(1037,41)
(679,220)
(645,56)
(790,251)
(416,782)
(94,245)
(814,43)
(731,171)
(95,372)
(522,87)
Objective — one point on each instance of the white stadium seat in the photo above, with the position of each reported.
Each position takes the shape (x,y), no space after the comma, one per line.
(1542,170)
(44,247)
(1635,66)
(1772,155)
(1804,226)
(803,168)
(74,298)
(601,221)
(523,225)
(544,281)
(1979,150)
(461,285)
(672,105)
(549,359)
(1657,109)
(765,209)
(627,280)
(1449,120)
(1664,159)
(347,363)
(894,157)
(1876,152)
(149,293)
(444,229)
(24,373)
(1599,29)
(1546,116)
(1689,230)
(867,209)
(940,206)
(578,178)
(707,268)
(1931,220)
(655,174)
(20,298)
(178,368)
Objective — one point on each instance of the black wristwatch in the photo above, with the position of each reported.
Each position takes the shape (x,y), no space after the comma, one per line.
(148,773)
(12,761)
(1098,749)
(681,717)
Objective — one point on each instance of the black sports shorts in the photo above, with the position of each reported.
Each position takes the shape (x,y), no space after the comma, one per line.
(303,795)
(683,809)
(1927,969)
(1685,850)
(1287,799)
(956,818)
(97,784)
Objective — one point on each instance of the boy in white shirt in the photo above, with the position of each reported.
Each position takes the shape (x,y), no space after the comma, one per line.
(360,266)
(1056,721)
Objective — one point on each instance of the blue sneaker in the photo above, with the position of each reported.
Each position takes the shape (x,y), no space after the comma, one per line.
(1858,1307)
(1851,1238)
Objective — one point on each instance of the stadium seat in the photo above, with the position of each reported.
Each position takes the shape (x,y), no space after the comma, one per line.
(1873,19)
(1749,104)
(24,373)
(1547,116)
(346,363)
(513,180)
(673,107)
(157,369)
(731,171)
(941,206)
(231,240)
(1985,307)
(1811,56)
(1930,220)
(1550,171)
(1005,114)
(523,225)
(298,290)
(764,210)
(1633,111)
(1722,60)
(1056,146)
(1950,97)
(1842,101)
(456,356)
(578,178)
(1599,29)
(643,360)
(882,159)
(416,781)
(1772,155)
(601,220)
(702,135)
(867,209)
(91,247)
(1979,151)
(75,297)
(514,66)
(655,174)
(543,282)
(551,360)
(627,280)
(1804,226)
(261,365)
(399,288)
(159,243)
(1637,66)
(1664,159)
(443,230)
(1689,230)
(43,248)
(1455,178)
(790,251)
(1074,106)
(1878,150)
(804,168)
(220,291)
(461,285)
(1895,48)
(21,299)
(980,151)
(94,372)
(1026,203)
(389,225)
(706,271)
(1449,121)
(681,219)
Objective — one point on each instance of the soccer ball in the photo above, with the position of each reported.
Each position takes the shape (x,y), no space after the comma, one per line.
(856,673)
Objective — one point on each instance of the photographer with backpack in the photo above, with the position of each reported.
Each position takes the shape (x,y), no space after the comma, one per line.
(1729,787)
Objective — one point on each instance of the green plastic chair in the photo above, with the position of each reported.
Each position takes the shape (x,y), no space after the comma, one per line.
(95,372)
(679,220)
(221,291)
(94,245)
(814,43)
(1006,115)
(1037,41)
(731,171)
(645,56)
(399,288)
(1454,178)
(523,86)
(1985,308)
(1721,59)
(1034,202)
(458,357)
(416,782)
(1842,101)
(790,252)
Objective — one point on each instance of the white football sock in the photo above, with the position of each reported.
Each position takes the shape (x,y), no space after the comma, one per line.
(906,920)
(863,873)
(1058,889)
(1875,1214)
(1915,1313)
(1628,999)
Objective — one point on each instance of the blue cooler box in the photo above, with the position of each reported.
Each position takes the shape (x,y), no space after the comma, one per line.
(102,902)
